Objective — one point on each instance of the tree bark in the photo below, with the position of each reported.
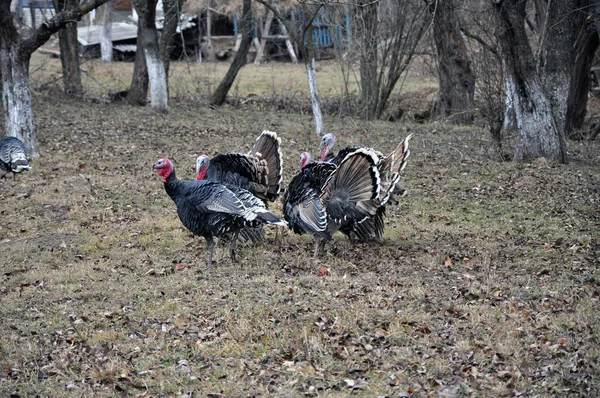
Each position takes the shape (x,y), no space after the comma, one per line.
(260,53)
(537,135)
(138,90)
(366,21)
(218,97)
(457,81)
(585,47)
(106,46)
(558,58)
(69,51)
(171,9)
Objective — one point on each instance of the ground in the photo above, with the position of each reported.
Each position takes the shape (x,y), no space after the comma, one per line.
(487,283)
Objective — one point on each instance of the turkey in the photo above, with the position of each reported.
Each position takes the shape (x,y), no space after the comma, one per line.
(389,168)
(259,171)
(324,198)
(13,156)
(302,205)
(213,209)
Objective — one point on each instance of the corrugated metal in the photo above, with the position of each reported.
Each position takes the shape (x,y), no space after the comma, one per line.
(126,48)
(89,35)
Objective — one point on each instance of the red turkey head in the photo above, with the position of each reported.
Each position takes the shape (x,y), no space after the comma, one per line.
(327,143)
(304,159)
(201,167)
(164,168)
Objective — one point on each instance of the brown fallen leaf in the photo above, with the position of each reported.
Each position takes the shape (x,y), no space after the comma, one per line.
(448,262)
(322,271)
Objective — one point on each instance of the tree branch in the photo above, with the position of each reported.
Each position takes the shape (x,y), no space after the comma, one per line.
(479,40)
(54,24)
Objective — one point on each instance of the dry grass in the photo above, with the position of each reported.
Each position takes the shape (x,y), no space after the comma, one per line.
(487,284)
(188,80)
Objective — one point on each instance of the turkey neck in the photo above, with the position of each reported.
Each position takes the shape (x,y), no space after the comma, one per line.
(173,186)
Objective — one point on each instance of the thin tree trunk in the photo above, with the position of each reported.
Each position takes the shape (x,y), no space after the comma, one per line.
(239,60)
(288,43)
(171,9)
(69,51)
(156,71)
(457,81)
(585,47)
(367,25)
(509,121)
(260,54)
(537,135)
(106,47)
(138,90)
(210,51)
(314,96)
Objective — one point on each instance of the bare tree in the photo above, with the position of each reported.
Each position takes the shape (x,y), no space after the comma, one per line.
(69,51)
(218,97)
(457,80)
(387,36)
(106,47)
(146,10)
(172,10)
(138,90)
(537,134)
(15,54)
(302,35)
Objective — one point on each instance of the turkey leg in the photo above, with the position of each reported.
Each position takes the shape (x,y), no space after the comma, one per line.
(234,239)
(210,244)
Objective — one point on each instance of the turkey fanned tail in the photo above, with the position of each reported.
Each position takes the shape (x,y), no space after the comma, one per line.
(267,151)
(350,193)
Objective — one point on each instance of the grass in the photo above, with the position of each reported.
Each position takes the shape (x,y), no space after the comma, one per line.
(187,79)
(486,285)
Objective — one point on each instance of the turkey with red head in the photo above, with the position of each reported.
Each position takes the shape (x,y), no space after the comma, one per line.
(324,198)
(259,171)
(13,156)
(389,168)
(213,209)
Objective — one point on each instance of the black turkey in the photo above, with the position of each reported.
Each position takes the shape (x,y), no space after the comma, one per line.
(324,198)
(13,156)
(259,171)
(303,208)
(213,209)
(389,168)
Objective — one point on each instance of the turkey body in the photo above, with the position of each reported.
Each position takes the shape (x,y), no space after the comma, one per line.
(389,167)
(324,198)
(13,156)
(213,209)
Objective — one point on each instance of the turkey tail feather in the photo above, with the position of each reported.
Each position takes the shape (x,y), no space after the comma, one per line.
(267,149)
(269,218)
(355,180)
(391,166)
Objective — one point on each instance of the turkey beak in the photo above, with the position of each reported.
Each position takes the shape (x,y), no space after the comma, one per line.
(154,166)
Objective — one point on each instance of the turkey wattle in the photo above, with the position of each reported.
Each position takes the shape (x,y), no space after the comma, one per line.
(389,168)
(13,156)
(259,171)
(213,209)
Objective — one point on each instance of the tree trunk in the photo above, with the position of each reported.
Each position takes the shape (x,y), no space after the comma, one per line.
(16,95)
(288,43)
(239,60)
(171,9)
(366,19)
(156,71)
(69,51)
(138,90)
(106,47)
(537,135)
(457,82)
(314,96)
(260,53)
(586,45)
(210,51)
(559,54)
